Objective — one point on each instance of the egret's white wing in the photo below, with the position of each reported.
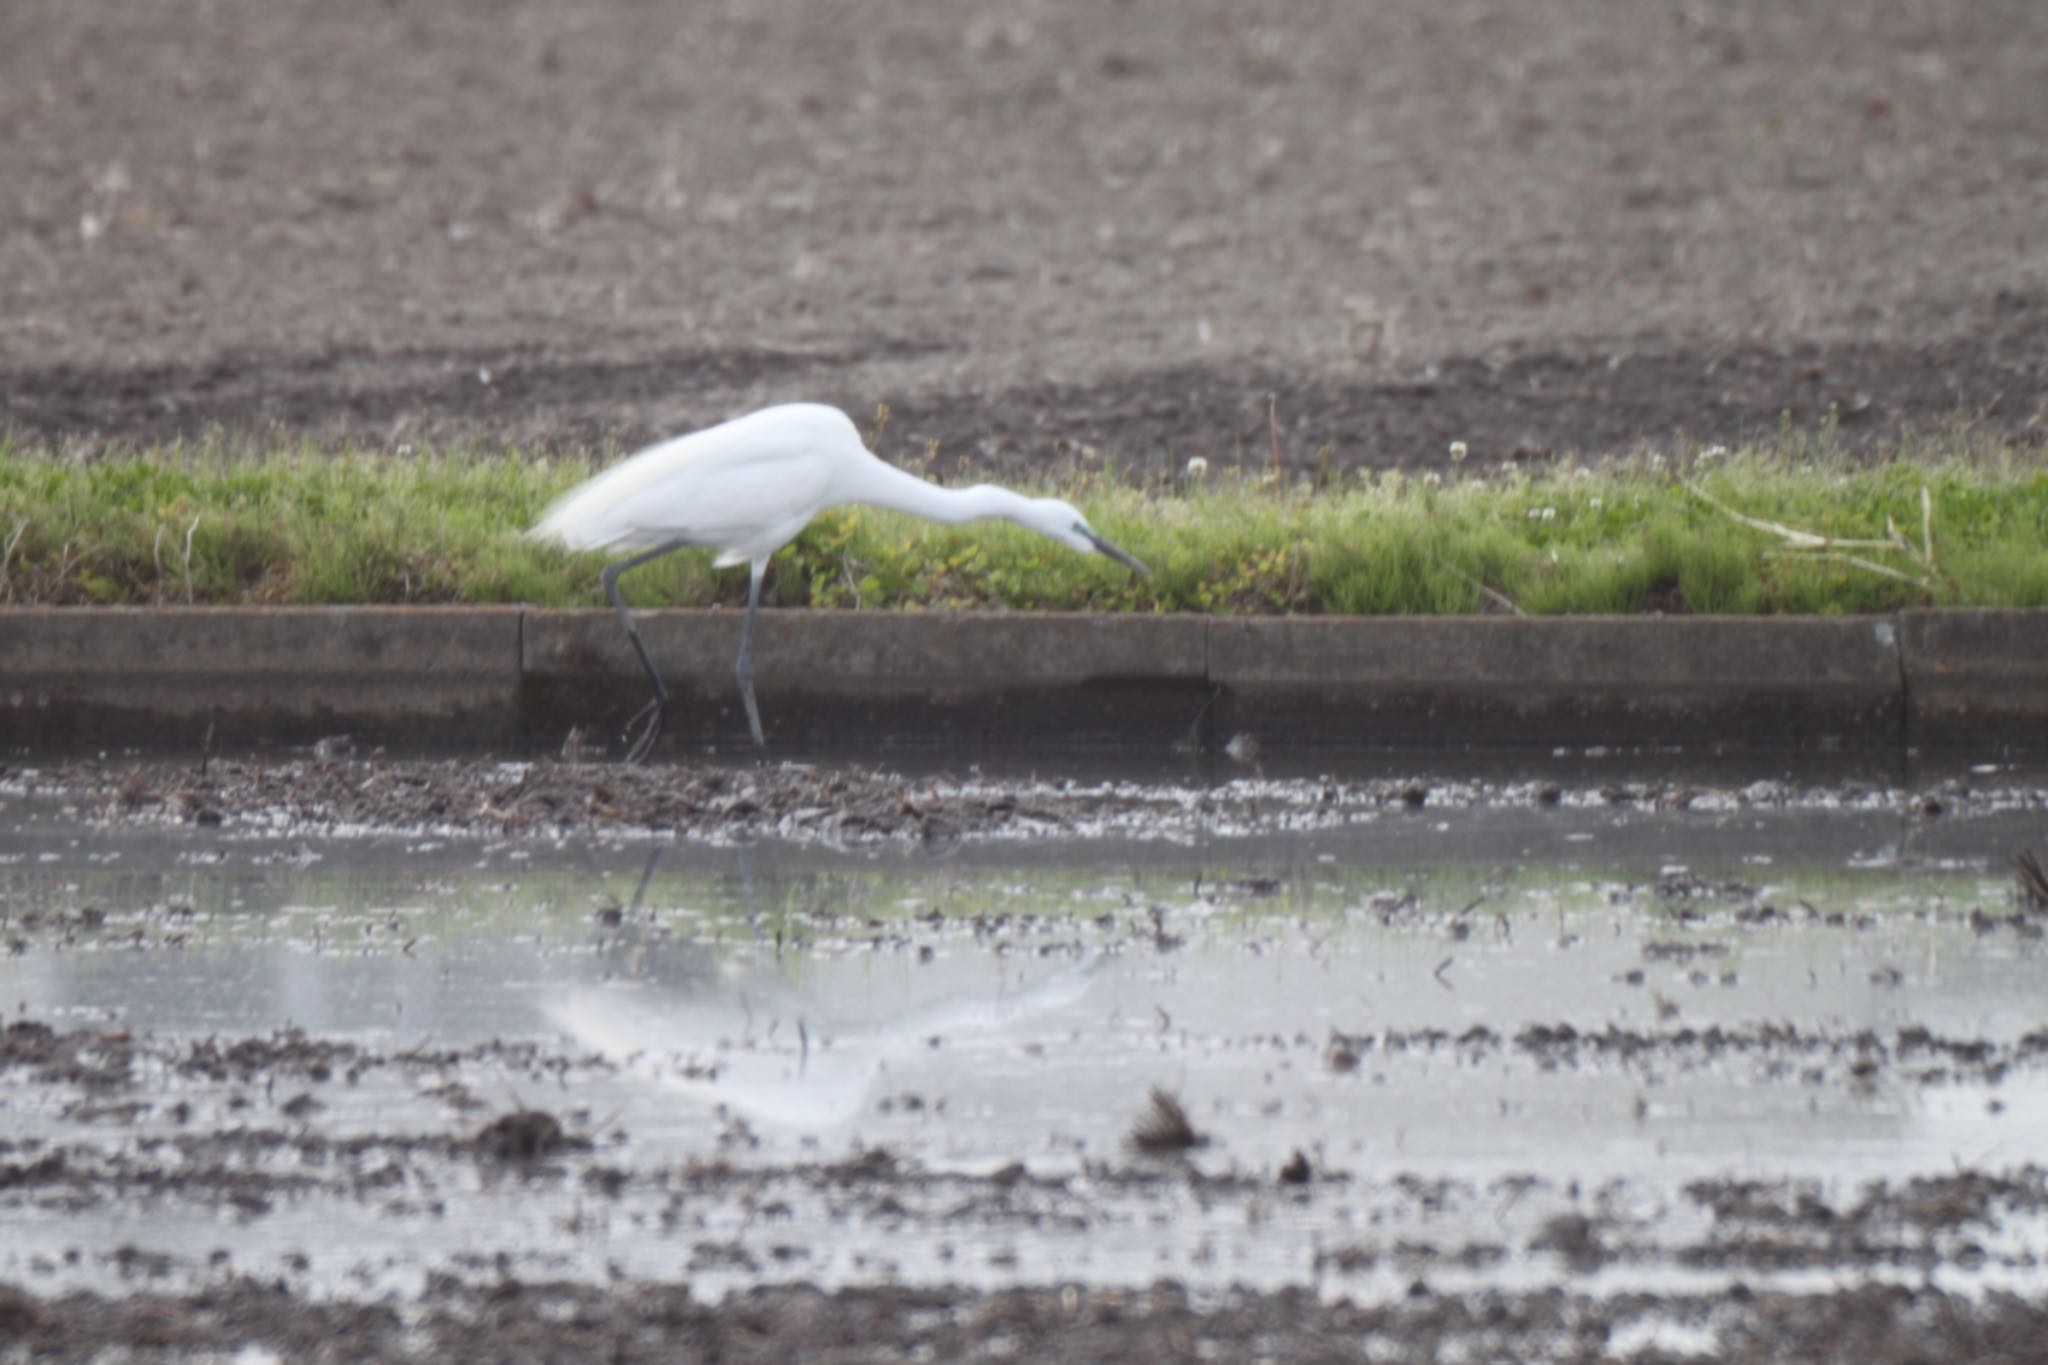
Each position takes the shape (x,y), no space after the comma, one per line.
(749,509)
(746,487)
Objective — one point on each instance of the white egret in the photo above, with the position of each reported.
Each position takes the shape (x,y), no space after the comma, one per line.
(747,487)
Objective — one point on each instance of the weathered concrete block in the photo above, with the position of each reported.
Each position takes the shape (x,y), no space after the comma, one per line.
(159,676)
(851,681)
(1715,683)
(836,684)
(1976,679)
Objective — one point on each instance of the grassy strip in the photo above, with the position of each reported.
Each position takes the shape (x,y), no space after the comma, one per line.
(312,526)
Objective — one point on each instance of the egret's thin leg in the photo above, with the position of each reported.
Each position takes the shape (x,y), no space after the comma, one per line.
(651,713)
(646,876)
(746,665)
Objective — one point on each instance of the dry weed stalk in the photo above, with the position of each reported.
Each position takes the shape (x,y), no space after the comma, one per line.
(1812,545)
(8,554)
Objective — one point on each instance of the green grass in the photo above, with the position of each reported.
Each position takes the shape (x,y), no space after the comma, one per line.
(316,526)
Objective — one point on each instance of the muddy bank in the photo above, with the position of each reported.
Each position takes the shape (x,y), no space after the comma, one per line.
(1872,1325)
(853,804)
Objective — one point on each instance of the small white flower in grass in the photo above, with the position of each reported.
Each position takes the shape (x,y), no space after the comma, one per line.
(1197,467)
(1543,514)
(1458,452)
(1432,478)
(1713,452)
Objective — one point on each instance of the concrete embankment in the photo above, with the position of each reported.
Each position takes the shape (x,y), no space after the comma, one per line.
(517,680)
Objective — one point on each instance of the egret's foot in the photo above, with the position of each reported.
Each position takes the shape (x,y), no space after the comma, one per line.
(647,721)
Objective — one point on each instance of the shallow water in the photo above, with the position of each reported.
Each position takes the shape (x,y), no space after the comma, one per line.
(1472,1024)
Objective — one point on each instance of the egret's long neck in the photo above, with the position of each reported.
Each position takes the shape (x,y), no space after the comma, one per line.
(884,485)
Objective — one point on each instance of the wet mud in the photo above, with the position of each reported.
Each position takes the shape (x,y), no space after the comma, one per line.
(850,803)
(1578,1099)
(1890,1325)
(271,1160)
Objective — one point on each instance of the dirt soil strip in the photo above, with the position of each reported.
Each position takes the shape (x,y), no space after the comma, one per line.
(1052,237)
(1540,407)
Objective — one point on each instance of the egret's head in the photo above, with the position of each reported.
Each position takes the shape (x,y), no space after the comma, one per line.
(1064,523)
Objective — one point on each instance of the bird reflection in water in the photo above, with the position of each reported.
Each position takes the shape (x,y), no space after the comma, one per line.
(749,1039)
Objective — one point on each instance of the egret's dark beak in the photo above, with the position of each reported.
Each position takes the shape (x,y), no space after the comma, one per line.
(1118,555)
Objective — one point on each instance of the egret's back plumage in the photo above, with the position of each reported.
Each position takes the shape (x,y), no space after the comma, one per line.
(746,486)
